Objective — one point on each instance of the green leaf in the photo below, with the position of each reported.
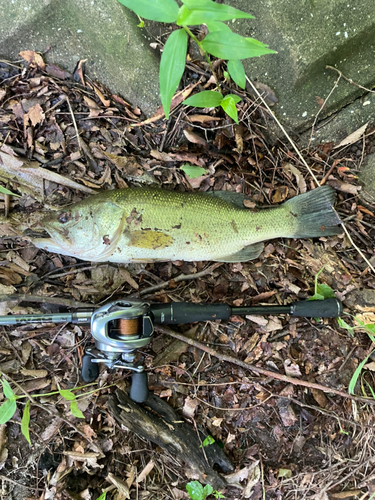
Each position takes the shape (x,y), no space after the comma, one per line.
(25,422)
(6,191)
(233,46)
(217,26)
(164,11)
(218,494)
(325,290)
(141,24)
(7,410)
(356,374)
(237,72)
(209,440)
(343,324)
(192,171)
(316,296)
(229,106)
(172,66)
(205,99)
(68,395)
(284,473)
(8,393)
(102,496)
(195,12)
(207,490)
(75,410)
(370,328)
(195,490)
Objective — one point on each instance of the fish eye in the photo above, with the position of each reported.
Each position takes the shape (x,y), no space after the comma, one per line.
(63,217)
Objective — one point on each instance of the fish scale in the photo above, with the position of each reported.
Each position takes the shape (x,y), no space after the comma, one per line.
(149,225)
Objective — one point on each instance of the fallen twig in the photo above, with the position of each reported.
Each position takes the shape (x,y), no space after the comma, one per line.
(182,277)
(261,371)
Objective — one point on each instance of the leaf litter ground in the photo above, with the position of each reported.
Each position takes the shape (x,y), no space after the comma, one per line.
(286,441)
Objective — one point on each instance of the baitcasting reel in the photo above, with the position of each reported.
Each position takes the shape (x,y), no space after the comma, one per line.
(123,326)
(119,329)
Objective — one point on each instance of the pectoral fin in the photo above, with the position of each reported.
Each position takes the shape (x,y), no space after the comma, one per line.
(248,253)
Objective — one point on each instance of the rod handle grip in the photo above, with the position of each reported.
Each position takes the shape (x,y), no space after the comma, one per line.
(327,308)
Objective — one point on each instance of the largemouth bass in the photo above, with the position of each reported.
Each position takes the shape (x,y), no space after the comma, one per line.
(150,225)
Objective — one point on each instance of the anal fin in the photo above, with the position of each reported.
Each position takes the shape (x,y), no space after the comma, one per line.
(248,253)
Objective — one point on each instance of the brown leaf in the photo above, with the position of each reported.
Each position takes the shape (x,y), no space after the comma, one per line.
(289,168)
(319,397)
(33,58)
(345,187)
(57,72)
(352,138)
(128,278)
(292,369)
(177,99)
(3,443)
(202,118)
(280,194)
(105,102)
(194,138)
(190,406)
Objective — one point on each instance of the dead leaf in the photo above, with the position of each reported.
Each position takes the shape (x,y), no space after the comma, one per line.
(280,194)
(202,118)
(177,99)
(292,369)
(194,138)
(287,415)
(31,175)
(344,186)
(128,278)
(51,430)
(104,101)
(33,58)
(145,472)
(288,167)
(35,115)
(319,397)
(190,406)
(347,494)
(352,138)
(121,486)
(2,95)
(34,373)
(3,443)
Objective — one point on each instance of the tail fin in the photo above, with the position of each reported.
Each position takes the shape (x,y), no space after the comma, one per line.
(314,214)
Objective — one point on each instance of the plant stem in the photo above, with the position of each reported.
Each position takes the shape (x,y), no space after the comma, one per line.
(204,52)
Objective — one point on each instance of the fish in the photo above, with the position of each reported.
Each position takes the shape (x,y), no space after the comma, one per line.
(157,225)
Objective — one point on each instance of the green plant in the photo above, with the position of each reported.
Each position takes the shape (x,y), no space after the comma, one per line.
(9,407)
(197,492)
(209,440)
(220,42)
(369,328)
(321,290)
(6,191)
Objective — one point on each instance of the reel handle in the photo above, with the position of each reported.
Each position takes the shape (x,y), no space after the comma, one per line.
(139,388)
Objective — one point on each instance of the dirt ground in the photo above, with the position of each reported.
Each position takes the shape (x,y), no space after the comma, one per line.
(285,440)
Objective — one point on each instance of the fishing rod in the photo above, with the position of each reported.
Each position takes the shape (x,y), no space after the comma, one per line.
(123,326)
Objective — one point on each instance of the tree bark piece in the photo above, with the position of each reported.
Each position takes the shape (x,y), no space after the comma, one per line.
(156,421)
